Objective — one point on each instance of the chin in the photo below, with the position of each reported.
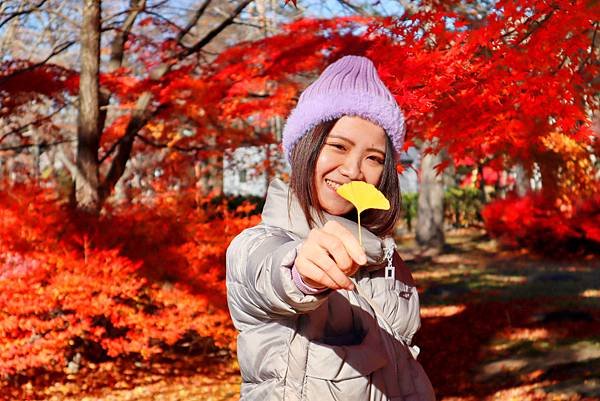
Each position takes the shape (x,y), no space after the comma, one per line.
(336,210)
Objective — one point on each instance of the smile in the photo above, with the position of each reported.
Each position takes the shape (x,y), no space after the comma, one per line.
(332,184)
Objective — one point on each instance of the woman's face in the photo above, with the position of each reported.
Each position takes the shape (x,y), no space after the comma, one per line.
(354,150)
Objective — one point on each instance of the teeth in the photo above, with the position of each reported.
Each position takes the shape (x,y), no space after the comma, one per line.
(332,184)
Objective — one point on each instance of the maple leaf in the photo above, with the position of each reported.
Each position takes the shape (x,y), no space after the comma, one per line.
(440,167)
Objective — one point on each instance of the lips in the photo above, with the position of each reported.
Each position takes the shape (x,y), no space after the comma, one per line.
(332,184)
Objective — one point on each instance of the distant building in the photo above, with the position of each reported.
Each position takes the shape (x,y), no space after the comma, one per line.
(243,169)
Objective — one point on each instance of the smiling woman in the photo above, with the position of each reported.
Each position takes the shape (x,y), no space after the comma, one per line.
(321,317)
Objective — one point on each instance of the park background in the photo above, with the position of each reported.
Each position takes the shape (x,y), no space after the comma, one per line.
(121,123)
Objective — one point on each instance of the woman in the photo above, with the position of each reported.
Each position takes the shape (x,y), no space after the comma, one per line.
(320,317)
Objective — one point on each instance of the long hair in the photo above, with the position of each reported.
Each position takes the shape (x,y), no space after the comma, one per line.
(303,160)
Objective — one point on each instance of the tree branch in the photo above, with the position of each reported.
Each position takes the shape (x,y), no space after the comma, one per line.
(139,119)
(193,21)
(22,128)
(213,33)
(141,116)
(162,17)
(57,50)
(358,10)
(73,170)
(117,55)
(16,14)
(186,149)
(111,150)
(592,47)
(536,25)
(42,144)
(159,145)
(118,44)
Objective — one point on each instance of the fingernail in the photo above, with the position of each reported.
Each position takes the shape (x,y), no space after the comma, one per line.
(363,260)
(351,287)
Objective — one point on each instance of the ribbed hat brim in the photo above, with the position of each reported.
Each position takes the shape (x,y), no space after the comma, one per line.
(320,108)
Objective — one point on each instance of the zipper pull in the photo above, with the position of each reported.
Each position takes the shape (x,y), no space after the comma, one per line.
(390,271)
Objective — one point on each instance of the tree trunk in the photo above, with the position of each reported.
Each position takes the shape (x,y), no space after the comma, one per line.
(87,196)
(481,183)
(430,214)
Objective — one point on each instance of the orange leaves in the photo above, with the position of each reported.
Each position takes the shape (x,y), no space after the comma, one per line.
(573,170)
(497,87)
(134,282)
(441,311)
(536,222)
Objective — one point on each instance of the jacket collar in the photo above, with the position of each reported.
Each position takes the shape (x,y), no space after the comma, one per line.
(275,213)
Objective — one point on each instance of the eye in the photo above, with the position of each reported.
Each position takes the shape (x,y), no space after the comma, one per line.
(337,146)
(377,159)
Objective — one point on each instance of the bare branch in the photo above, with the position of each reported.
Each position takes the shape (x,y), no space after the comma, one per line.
(16,14)
(118,44)
(22,128)
(193,21)
(162,17)
(250,24)
(213,33)
(352,7)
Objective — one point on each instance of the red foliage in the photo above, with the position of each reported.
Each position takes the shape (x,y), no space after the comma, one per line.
(21,83)
(499,86)
(489,88)
(538,223)
(135,282)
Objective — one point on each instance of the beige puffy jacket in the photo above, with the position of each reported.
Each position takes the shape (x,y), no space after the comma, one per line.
(330,346)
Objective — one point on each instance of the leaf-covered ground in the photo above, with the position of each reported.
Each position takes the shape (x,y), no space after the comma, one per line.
(508,325)
(497,325)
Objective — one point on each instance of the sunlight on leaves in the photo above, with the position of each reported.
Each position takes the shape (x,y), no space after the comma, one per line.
(441,311)
(590,293)
(363,196)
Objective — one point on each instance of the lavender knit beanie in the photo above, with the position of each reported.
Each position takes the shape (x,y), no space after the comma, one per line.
(350,86)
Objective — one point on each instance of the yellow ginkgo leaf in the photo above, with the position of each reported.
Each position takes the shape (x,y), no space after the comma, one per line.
(363,196)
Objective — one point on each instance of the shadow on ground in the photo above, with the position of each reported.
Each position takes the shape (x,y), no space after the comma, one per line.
(508,325)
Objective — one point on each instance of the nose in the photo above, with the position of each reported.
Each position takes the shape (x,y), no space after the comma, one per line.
(351,168)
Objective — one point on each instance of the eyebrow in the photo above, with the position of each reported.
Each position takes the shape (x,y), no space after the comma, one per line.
(354,144)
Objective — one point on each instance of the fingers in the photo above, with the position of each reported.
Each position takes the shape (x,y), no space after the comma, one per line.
(314,262)
(334,248)
(315,276)
(348,240)
(329,256)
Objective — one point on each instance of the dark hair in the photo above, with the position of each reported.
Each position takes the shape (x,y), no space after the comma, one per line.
(303,160)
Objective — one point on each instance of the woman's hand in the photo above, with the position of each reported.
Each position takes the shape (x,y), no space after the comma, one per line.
(329,256)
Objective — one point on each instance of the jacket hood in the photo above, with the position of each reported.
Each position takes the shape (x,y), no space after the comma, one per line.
(275,213)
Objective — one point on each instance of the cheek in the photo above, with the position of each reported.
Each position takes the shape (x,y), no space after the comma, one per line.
(325,163)
(373,175)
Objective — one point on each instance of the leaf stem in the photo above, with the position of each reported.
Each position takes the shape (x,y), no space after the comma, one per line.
(359,231)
